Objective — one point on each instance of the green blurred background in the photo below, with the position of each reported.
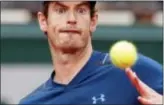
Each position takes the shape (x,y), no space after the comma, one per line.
(27,49)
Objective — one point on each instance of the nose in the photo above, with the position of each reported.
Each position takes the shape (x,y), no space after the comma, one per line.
(71,18)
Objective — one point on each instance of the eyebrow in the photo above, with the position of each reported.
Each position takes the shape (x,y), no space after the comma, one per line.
(80,4)
(83,3)
(60,4)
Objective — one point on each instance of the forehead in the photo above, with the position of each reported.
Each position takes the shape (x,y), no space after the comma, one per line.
(70,3)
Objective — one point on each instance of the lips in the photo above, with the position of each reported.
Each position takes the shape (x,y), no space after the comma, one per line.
(70,31)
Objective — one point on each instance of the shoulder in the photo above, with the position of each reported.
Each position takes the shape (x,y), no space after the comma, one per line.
(147,65)
(147,61)
(102,57)
(143,64)
(27,99)
(150,72)
(147,69)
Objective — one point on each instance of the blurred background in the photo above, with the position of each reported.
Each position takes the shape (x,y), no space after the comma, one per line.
(25,56)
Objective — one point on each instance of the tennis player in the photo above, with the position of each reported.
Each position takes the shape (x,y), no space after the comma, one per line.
(82,75)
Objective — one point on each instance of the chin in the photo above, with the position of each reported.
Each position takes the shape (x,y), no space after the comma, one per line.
(71,49)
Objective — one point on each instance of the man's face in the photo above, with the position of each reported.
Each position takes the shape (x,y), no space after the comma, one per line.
(69,25)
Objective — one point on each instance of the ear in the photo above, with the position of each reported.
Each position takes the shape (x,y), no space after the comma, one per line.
(94,21)
(42,21)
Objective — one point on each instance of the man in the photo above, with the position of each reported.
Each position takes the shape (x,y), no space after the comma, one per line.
(84,76)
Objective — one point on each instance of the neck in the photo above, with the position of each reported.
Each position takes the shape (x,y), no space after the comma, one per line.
(67,65)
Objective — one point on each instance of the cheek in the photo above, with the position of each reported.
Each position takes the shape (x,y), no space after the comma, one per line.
(84,22)
(51,32)
(53,26)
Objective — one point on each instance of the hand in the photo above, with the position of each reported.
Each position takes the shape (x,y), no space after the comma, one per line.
(148,95)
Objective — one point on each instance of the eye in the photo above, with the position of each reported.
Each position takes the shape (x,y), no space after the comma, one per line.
(82,10)
(60,10)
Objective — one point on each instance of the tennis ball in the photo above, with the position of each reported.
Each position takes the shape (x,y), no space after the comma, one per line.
(123,54)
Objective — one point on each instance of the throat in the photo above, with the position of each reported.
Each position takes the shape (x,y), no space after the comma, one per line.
(66,74)
(68,66)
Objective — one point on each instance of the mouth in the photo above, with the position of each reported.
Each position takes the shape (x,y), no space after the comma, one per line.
(70,31)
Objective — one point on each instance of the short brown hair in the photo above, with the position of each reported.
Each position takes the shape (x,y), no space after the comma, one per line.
(46,4)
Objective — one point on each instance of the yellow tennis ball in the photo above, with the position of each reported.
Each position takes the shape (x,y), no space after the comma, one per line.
(123,54)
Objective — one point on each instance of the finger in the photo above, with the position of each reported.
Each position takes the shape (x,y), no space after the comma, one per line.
(136,82)
(133,77)
(145,90)
(130,75)
(144,101)
(141,87)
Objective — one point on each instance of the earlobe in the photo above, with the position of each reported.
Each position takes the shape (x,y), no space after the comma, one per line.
(94,22)
(42,21)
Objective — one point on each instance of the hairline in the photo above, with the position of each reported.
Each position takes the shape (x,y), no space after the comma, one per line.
(47,3)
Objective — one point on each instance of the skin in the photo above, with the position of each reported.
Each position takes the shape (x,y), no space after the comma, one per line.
(147,95)
(69,27)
